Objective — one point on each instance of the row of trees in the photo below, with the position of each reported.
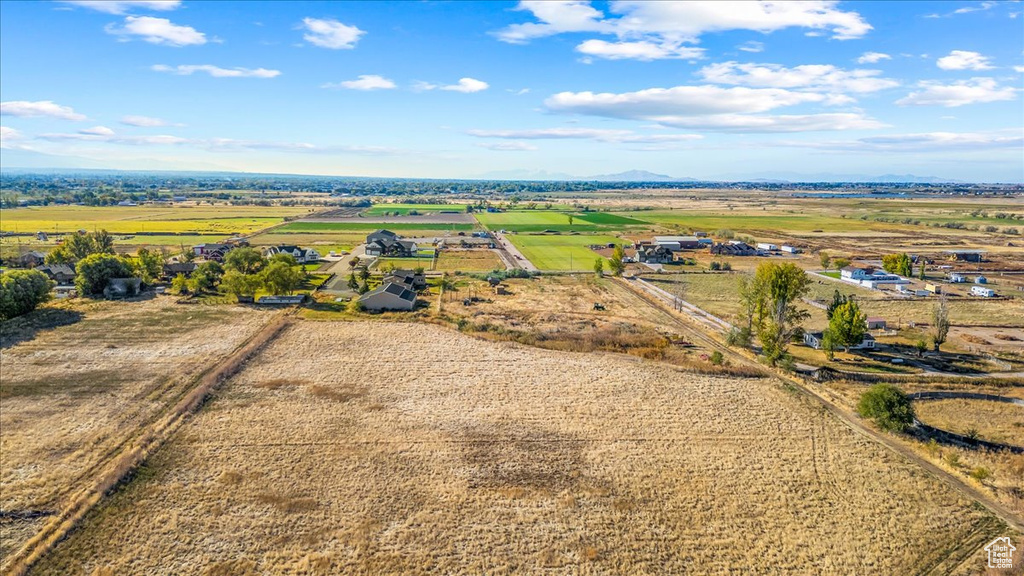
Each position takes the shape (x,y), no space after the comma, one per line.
(244,273)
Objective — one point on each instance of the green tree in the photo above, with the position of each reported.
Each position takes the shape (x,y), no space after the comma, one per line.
(570,220)
(752,304)
(599,267)
(239,284)
(921,270)
(180,284)
(888,406)
(353,284)
(825,260)
(77,246)
(897,264)
(280,278)
(364,273)
(149,265)
(847,325)
(840,263)
(940,322)
(828,345)
(780,286)
(205,277)
(245,260)
(186,254)
(284,258)
(838,300)
(95,271)
(21,291)
(615,263)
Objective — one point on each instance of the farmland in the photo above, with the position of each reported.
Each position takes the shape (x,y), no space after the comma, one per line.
(508,459)
(406,228)
(79,380)
(136,219)
(468,261)
(554,252)
(993,421)
(405,209)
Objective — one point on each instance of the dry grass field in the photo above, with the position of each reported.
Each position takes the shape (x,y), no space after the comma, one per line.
(72,394)
(469,261)
(994,421)
(441,453)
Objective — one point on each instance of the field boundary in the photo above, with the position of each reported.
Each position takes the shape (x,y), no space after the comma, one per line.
(121,465)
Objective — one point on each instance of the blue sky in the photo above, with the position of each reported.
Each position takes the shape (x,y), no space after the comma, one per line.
(461,89)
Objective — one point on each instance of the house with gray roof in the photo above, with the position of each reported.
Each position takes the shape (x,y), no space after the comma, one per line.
(389,296)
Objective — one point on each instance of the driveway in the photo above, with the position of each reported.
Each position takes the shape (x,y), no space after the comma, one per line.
(514,254)
(341,269)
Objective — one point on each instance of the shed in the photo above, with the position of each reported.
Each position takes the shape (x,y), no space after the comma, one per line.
(875,323)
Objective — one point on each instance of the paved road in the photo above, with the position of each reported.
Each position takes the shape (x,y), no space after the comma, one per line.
(517,256)
(341,270)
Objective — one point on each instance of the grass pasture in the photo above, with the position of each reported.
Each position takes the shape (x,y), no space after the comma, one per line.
(401,464)
(560,252)
(994,421)
(404,209)
(469,261)
(535,221)
(607,218)
(132,219)
(410,229)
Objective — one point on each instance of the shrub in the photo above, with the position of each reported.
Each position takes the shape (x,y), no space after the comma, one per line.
(21,291)
(716,358)
(887,406)
(980,473)
(96,270)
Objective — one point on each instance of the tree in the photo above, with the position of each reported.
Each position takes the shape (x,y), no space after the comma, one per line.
(921,269)
(186,254)
(180,284)
(780,287)
(897,264)
(364,273)
(828,345)
(940,322)
(239,284)
(245,260)
(752,302)
(21,291)
(95,271)
(570,220)
(205,277)
(353,262)
(280,278)
(840,263)
(888,406)
(77,246)
(149,265)
(838,300)
(615,263)
(847,325)
(599,267)
(353,284)
(284,258)
(825,260)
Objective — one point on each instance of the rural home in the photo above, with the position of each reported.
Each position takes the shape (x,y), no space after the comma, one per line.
(966,255)
(676,243)
(389,296)
(859,275)
(211,251)
(31,259)
(301,255)
(875,323)
(982,291)
(387,235)
(119,288)
(410,278)
(734,248)
(814,340)
(653,254)
(59,273)
(956,278)
(172,269)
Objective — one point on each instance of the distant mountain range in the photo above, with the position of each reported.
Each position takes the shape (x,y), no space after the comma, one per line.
(770,178)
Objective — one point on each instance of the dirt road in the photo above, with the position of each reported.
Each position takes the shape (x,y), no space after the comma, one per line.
(514,254)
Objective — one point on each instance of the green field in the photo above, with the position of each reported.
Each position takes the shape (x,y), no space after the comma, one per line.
(608,218)
(405,227)
(560,252)
(132,219)
(404,209)
(534,221)
(741,222)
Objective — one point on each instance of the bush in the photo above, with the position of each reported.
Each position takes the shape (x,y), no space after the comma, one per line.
(888,407)
(717,359)
(96,270)
(21,291)
(980,473)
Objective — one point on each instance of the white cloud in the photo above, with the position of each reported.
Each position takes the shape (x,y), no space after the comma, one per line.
(973,91)
(810,76)
(964,60)
(599,134)
(639,50)
(873,57)
(508,146)
(157,31)
(40,108)
(216,71)
(467,85)
(85,136)
(364,82)
(651,30)
(421,86)
(923,142)
(97,131)
(1018,68)
(122,6)
(145,121)
(329,33)
(772,123)
(519,92)
(8,136)
(680,100)
(978,8)
(751,46)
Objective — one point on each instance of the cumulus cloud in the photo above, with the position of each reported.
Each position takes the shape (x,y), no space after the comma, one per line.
(751,46)
(364,82)
(467,85)
(8,137)
(145,121)
(217,71)
(960,93)
(772,123)
(653,30)
(157,31)
(508,146)
(963,60)
(38,109)
(601,135)
(122,6)
(810,76)
(97,131)
(680,100)
(923,142)
(873,57)
(329,33)
(1018,68)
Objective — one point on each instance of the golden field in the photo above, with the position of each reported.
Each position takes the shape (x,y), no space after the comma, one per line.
(397,448)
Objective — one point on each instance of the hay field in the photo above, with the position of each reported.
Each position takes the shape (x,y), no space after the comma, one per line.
(440,453)
(147,218)
(469,261)
(556,252)
(73,393)
(995,421)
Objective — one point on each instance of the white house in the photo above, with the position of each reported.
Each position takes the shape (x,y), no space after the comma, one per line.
(814,340)
(301,255)
(983,291)
(864,276)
